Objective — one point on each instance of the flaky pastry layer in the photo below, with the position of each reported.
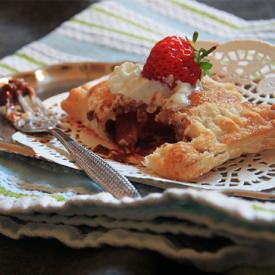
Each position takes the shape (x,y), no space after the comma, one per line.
(218,125)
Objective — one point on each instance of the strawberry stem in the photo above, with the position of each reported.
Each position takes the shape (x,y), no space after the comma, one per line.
(200,55)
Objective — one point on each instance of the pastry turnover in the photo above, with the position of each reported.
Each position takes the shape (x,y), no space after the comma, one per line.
(182,142)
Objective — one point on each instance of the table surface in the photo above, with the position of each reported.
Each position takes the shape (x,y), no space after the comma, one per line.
(22,21)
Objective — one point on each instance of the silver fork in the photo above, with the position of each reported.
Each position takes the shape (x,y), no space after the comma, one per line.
(30,116)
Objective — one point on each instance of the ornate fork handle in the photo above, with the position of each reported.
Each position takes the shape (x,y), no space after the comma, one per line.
(98,169)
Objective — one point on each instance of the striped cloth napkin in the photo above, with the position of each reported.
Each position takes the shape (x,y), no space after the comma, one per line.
(127,29)
(208,229)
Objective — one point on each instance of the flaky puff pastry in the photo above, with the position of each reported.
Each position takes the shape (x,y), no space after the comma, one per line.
(215,127)
(218,127)
(91,104)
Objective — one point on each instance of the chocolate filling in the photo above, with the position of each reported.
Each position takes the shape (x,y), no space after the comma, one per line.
(9,92)
(139,133)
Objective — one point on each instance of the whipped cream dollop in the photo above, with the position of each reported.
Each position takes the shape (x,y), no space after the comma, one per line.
(180,96)
(127,80)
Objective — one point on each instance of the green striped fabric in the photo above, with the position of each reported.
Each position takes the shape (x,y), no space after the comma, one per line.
(45,201)
(126,29)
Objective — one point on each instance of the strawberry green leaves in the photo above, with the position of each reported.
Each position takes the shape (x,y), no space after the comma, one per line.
(201,54)
(205,67)
(195,37)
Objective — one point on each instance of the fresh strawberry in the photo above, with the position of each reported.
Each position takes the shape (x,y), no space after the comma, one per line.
(175,58)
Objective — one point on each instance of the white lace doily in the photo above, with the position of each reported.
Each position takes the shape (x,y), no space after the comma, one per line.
(250,65)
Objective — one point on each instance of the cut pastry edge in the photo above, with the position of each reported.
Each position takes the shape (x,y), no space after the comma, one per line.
(182,162)
(108,113)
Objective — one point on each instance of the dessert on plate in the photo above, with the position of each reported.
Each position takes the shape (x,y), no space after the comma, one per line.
(171,115)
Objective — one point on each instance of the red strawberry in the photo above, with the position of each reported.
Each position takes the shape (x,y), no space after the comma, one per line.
(175,59)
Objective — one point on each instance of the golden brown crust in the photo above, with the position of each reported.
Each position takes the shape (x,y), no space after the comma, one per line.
(214,128)
(182,161)
(76,105)
(87,103)
(217,133)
